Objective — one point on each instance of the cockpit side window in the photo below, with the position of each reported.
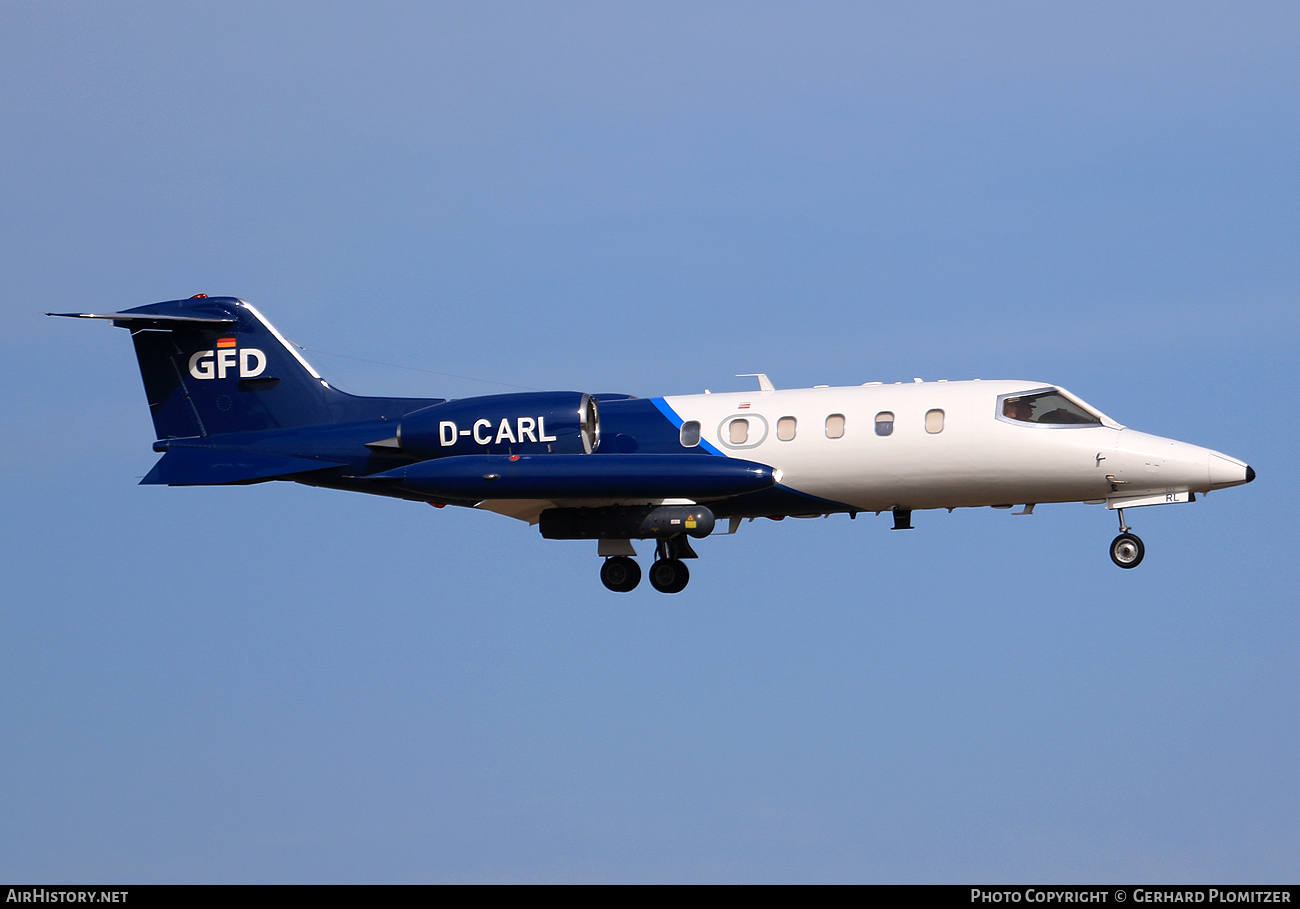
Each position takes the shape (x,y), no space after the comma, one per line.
(1047,408)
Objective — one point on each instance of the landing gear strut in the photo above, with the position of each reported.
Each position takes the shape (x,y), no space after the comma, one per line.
(620,574)
(1126,550)
(669,574)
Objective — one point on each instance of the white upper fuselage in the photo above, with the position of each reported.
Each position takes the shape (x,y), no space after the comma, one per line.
(970,455)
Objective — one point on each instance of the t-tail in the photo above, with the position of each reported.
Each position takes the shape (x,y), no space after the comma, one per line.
(214,365)
(232,401)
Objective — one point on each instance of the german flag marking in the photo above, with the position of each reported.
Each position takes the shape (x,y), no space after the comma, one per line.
(225,342)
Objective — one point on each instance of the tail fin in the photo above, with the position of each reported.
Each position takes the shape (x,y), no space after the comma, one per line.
(214,365)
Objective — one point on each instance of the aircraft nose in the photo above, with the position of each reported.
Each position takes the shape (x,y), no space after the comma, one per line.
(1225,471)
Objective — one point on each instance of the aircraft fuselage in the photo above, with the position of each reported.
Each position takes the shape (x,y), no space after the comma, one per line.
(970,455)
(234,403)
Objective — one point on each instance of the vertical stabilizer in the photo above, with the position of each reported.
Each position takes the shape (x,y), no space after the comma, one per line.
(215,365)
(205,379)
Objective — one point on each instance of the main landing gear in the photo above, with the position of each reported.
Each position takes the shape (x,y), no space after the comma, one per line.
(668,573)
(620,574)
(1126,550)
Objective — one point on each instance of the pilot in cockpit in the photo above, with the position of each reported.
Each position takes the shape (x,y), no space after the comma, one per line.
(1018,409)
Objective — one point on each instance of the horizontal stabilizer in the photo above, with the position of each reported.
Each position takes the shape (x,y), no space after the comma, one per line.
(580,476)
(146,320)
(214,466)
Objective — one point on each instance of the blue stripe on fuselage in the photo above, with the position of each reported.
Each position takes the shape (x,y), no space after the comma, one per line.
(638,425)
(677,421)
(780,499)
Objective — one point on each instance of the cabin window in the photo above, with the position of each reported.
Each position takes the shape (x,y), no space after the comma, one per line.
(1048,408)
(738,432)
(835,426)
(884,423)
(785,428)
(934,421)
(690,434)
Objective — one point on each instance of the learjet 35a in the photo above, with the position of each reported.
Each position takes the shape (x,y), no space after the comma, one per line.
(234,403)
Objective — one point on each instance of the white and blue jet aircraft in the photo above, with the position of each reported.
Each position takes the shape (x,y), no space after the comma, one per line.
(234,403)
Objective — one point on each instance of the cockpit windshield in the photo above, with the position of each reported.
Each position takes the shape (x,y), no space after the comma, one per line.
(1047,408)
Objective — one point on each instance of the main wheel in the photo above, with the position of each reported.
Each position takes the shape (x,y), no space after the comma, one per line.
(669,575)
(1126,550)
(620,574)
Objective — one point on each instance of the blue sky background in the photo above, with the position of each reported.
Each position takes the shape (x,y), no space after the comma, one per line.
(275,683)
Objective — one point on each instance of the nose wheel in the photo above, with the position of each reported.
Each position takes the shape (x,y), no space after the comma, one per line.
(1126,550)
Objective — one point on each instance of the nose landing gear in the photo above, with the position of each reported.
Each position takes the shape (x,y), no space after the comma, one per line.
(1126,550)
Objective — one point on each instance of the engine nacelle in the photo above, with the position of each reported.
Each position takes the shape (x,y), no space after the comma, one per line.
(626,522)
(544,422)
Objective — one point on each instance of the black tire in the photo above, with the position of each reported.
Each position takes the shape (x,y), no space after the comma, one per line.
(683,578)
(620,574)
(1126,550)
(669,576)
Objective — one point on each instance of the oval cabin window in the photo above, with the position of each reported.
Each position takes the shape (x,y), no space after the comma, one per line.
(934,421)
(884,423)
(690,434)
(785,428)
(738,432)
(835,426)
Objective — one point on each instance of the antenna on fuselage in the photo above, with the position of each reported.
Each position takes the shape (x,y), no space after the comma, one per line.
(764,383)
